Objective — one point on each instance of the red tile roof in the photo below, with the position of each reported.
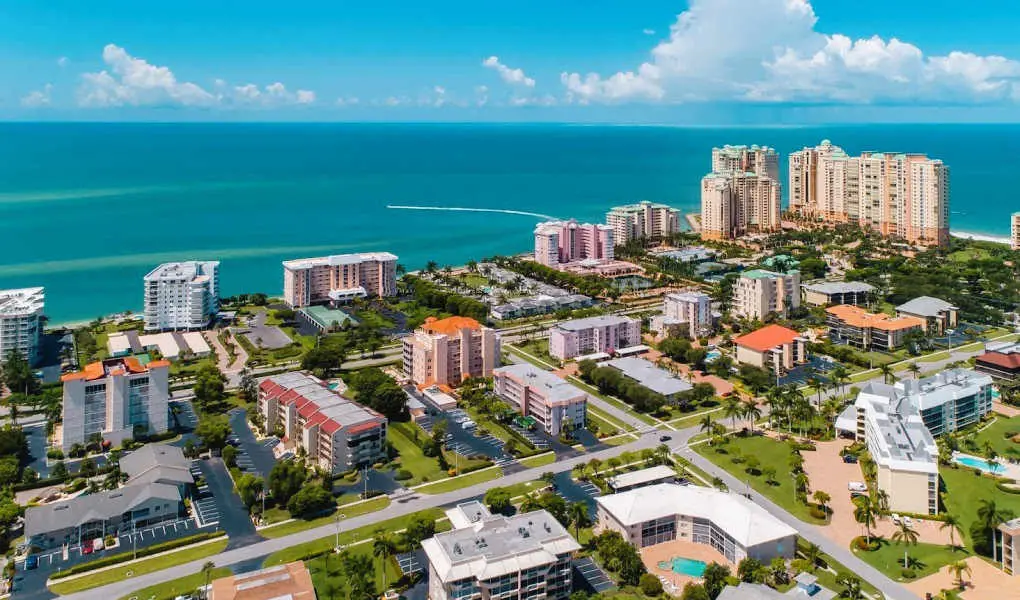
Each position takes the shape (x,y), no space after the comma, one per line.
(450,325)
(330,426)
(767,337)
(1006,361)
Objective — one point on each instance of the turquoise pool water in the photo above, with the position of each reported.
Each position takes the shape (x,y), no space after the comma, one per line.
(712,355)
(979,463)
(685,566)
(333,386)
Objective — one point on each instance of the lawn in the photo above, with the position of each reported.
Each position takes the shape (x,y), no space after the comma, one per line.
(930,558)
(178,587)
(350,510)
(620,404)
(423,468)
(539,461)
(330,582)
(964,492)
(827,579)
(539,348)
(770,453)
(120,572)
(995,434)
(607,425)
(455,483)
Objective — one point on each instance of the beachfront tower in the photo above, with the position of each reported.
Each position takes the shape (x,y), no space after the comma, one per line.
(182,296)
(21,313)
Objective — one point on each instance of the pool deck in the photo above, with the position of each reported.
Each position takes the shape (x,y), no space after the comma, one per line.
(653,555)
(1009,470)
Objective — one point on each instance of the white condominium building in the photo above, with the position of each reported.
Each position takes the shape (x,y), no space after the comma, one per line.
(113,397)
(339,278)
(1014,230)
(742,194)
(760,160)
(895,194)
(448,351)
(559,242)
(524,557)
(21,312)
(642,220)
(539,394)
(182,295)
(692,308)
(758,293)
(607,333)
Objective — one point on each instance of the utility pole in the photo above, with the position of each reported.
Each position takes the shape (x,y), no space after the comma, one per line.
(338,517)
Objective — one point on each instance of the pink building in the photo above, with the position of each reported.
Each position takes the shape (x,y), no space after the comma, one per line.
(593,335)
(448,351)
(559,242)
(555,404)
(339,278)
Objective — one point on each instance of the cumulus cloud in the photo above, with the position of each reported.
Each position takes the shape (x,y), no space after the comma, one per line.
(38,98)
(481,95)
(771,50)
(512,76)
(546,100)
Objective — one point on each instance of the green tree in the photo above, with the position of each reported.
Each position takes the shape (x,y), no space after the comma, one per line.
(950,522)
(286,479)
(813,555)
(851,586)
(213,431)
(420,528)
(383,548)
(694,591)
(17,374)
(498,500)
(650,585)
(250,488)
(905,535)
(714,578)
(989,517)
(958,569)
(311,500)
(209,388)
(865,514)
(750,570)
(579,517)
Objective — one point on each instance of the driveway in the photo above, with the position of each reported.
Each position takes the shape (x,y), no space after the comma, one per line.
(269,336)
(233,515)
(255,455)
(36,437)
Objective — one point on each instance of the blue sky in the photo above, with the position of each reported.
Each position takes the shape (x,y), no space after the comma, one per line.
(682,61)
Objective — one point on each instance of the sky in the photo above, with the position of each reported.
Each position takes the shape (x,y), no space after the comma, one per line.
(688,62)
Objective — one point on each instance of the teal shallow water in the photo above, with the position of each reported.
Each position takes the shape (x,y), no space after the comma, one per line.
(87,209)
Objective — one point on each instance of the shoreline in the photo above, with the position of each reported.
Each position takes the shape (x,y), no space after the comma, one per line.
(981,237)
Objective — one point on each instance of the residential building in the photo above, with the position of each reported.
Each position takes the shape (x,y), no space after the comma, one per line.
(889,420)
(158,463)
(540,304)
(448,351)
(642,220)
(760,160)
(633,480)
(869,331)
(806,587)
(938,315)
(828,293)
(291,581)
(759,293)
(731,524)
(1014,231)
(654,378)
(1009,546)
(1001,360)
(171,345)
(339,278)
(772,347)
(691,310)
(337,433)
(563,242)
(539,394)
(734,204)
(182,296)
(606,333)
(527,556)
(900,195)
(82,519)
(113,398)
(21,315)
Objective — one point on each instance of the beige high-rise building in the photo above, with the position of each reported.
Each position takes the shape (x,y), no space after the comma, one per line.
(736,203)
(759,293)
(339,278)
(1014,231)
(760,160)
(900,195)
(642,220)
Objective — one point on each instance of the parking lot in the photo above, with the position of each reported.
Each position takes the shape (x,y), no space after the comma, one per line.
(206,512)
(571,490)
(465,442)
(253,455)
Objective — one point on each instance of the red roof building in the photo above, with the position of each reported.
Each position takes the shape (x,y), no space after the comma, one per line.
(772,347)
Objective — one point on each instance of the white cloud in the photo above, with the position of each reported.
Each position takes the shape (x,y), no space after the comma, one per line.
(511,76)
(648,31)
(133,81)
(770,50)
(38,98)
(546,100)
(62,61)
(481,95)
(347,101)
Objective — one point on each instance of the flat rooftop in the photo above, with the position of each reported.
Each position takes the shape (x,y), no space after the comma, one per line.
(652,377)
(903,442)
(925,306)
(339,259)
(656,473)
(324,316)
(22,302)
(590,322)
(839,287)
(191,270)
(548,385)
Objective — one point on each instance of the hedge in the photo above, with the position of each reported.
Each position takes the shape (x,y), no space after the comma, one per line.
(116,559)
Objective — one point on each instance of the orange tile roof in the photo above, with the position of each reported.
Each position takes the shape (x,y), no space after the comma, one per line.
(158,363)
(122,366)
(767,337)
(858,317)
(450,325)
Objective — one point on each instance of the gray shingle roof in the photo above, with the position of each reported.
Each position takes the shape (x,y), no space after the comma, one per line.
(105,505)
(924,306)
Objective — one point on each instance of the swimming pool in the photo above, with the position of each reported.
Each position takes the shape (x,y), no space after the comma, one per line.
(684,566)
(712,355)
(975,462)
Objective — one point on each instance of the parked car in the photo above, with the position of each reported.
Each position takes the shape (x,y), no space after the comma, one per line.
(86,549)
(850,459)
(31,562)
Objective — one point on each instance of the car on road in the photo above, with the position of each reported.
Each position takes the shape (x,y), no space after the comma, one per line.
(86,549)
(665,438)
(31,562)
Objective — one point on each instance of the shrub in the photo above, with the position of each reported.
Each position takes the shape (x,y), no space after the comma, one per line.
(1007,488)
(402,475)
(650,585)
(908,573)
(106,561)
(816,512)
(861,543)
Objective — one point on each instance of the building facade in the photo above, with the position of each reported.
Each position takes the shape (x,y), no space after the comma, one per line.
(337,433)
(562,242)
(900,195)
(182,296)
(21,314)
(113,397)
(772,347)
(692,308)
(760,160)
(759,293)
(938,315)
(524,557)
(571,339)
(642,220)
(539,394)
(827,293)
(734,204)
(448,351)
(339,278)
(1009,546)
(857,327)
(1014,231)
(1001,360)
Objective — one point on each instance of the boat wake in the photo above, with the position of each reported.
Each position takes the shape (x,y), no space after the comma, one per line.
(504,211)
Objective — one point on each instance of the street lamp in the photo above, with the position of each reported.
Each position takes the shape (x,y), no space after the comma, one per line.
(338,517)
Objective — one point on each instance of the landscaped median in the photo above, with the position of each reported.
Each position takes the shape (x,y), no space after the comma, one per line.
(460,481)
(349,510)
(115,568)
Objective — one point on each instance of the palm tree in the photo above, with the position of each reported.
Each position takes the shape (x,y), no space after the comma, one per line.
(865,513)
(888,375)
(883,500)
(707,424)
(991,516)
(958,569)
(915,370)
(905,535)
(851,587)
(822,498)
(840,376)
(752,412)
(732,410)
(775,398)
(530,504)
(950,522)
(579,517)
(817,385)
(812,554)
(383,548)
(207,569)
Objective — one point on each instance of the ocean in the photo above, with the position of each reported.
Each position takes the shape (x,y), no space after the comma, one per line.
(86,209)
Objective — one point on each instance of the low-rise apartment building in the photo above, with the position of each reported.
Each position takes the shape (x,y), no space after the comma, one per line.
(21,313)
(632,480)
(731,524)
(649,375)
(339,278)
(182,296)
(691,310)
(539,394)
(642,220)
(603,334)
(1001,360)
(158,463)
(828,293)
(564,242)
(524,557)
(337,433)
(772,347)
(1009,546)
(448,351)
(291,581)
(113,398)
(758,293)
(938,315)
(869,331)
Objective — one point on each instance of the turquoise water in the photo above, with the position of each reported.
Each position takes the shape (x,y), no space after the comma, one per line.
(712,355)
(685,566)
(86,209)
(979,463)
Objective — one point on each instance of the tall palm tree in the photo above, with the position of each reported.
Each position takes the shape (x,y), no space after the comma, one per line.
(958,569)
(907,536)
(851,587)
(579,517)
(865,514)
(383,548)
(751,412)
(775,398)
(888,375)
(991,516)
(207,569)
(914,370)
(817,385)
(732,410)
(882,497)
(840,376)
(812,554)
(950,522)
(822,498)
(707,424)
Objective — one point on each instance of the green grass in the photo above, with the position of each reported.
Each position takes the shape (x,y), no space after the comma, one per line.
(149,565)
(539,348)
(964,492)
(351,510)
(178,587)
(455,483)
(828,580)
(889,557)
(539,461)
(994,434)
(474,280)
(770,453)
(327,575)
(620,404)
(607,425)
(520,489)
(423,468)
(969,254)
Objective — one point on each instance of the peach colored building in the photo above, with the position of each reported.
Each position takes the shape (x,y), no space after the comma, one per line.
(734,204)
(760,160)
(539,394)
(1014,231)
(339,278)
(642,220)
(759,293)
(605,333)
(869,331)
(772,347)
(448,351)
(562,242)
